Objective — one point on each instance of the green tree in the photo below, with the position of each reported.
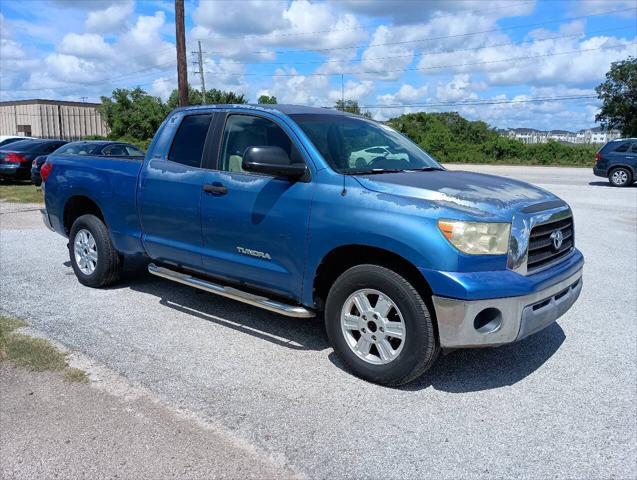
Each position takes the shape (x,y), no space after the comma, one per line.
(267,100)
(132,113)
(213,96)
(351,106)
(619,97)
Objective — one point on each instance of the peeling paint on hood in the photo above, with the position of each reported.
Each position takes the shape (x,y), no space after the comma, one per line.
(472,193)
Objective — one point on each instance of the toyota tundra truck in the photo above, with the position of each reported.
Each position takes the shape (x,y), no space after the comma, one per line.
(263,205)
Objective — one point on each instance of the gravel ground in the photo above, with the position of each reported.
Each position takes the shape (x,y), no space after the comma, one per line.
(560,404)
(53,429)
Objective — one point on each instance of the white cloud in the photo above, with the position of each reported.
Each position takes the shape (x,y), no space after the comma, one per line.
(143,43)
(591,7)
(540,61)
(88,45)
(163,87)
(240,18)
(111,19)
(459,88)
(301,89)
(409,11)
(406,94)
(301,25)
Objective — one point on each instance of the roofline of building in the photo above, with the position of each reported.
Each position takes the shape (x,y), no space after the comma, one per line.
(41,101)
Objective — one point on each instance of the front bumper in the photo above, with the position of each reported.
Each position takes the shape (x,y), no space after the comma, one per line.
(496,321)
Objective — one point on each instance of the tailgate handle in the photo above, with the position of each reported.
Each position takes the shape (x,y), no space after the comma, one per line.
(215,189)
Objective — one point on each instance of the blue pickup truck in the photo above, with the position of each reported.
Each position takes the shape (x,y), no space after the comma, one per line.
(269,206)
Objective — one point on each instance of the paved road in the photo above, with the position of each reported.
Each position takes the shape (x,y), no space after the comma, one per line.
(559,404)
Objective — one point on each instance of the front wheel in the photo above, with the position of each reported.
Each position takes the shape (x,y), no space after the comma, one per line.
(620,177)
(380,326)
(94,259)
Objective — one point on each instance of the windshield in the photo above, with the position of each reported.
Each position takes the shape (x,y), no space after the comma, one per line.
(356,145)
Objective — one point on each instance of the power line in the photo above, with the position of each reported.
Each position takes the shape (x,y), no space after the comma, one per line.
(441,37)
(437,67)
(171,63)
(483,102)
(364,27)
(442,52)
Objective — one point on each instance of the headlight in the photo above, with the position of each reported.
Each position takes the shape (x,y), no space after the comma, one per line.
(477,238)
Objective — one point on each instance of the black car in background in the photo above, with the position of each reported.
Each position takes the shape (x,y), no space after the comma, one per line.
(92,147)
(617,161)
(16,157)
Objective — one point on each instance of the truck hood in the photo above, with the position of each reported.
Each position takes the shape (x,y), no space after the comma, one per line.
(475,194)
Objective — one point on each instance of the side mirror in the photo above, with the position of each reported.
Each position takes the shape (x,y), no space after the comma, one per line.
(272,161)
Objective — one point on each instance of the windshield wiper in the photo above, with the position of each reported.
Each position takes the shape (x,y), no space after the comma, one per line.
(373,171)
(424,169)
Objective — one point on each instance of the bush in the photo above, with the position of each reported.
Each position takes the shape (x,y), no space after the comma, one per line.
(453,139)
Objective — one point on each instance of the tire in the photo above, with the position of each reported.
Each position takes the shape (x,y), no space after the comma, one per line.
(620,177)
(89,234)
(410,357)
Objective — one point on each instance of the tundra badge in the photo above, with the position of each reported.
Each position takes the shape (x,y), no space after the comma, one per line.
(254,253)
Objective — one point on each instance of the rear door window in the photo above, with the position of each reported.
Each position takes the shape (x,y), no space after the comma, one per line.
(623,147)
(244,131)
(187,147)
(633,149)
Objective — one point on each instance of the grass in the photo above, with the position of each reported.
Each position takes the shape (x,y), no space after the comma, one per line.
(20,193)
(36,354)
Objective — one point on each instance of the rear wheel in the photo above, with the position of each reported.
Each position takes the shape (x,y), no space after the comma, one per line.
(94,259)
(380,326)
(620,177)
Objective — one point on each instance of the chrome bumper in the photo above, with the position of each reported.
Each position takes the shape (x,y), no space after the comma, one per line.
(46,220)
(496,321)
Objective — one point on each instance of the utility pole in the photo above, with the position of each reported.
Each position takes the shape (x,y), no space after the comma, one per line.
(83,99)
(182,67)
(199,62)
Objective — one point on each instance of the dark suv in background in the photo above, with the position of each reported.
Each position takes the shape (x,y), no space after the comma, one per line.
(617,161)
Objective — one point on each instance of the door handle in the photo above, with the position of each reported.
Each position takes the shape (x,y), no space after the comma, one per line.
(215,189)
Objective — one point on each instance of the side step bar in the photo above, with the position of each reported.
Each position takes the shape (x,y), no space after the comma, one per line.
(230,292)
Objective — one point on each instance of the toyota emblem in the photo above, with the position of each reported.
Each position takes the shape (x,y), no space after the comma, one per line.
(557,238)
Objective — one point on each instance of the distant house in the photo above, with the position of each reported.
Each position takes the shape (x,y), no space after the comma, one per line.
(51,119)
(589,136)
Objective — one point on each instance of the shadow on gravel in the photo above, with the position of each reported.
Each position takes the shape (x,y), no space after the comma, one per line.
(297,334)
(461,371)
(473,370)
(606,184)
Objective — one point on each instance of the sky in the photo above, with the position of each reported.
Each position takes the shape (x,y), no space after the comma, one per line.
(510,63)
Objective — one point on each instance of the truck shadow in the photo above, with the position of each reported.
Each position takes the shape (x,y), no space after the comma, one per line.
(473,370)
(461,371)
(293,333)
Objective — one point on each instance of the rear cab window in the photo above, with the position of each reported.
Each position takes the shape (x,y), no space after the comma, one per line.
(188,144)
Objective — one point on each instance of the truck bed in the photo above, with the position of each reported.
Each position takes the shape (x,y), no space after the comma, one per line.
(110,182)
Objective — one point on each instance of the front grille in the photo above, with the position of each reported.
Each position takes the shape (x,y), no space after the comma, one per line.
(542,250)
